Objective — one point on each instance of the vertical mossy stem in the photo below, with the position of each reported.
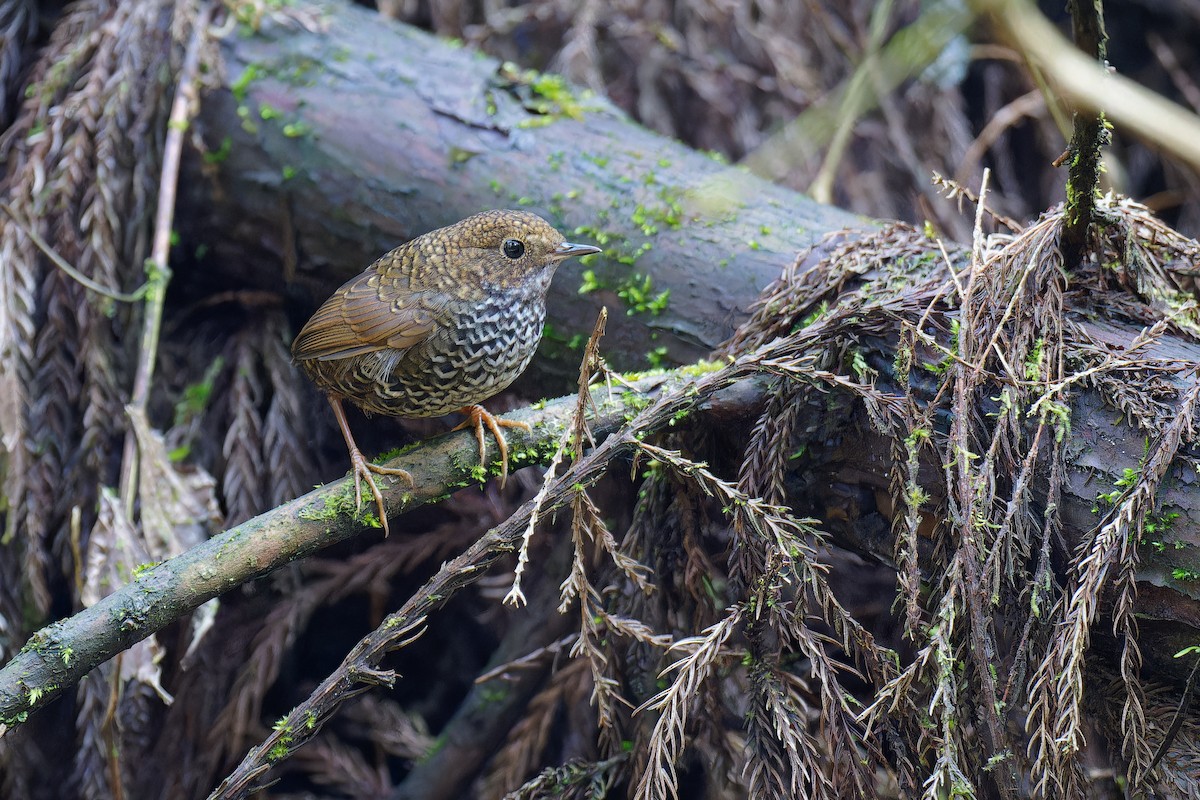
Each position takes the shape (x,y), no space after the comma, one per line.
(1091,133)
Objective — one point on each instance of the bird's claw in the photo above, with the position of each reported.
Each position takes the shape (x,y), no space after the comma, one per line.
(362,470)
(477,418)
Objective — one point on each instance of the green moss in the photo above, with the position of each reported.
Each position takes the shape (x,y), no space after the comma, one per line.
(194,401)
(902,363)
(1059,415)
(36,643)
(668,211)
(301,70)
(556,343)
(342,504)
(858,365)
(545,94)
(221,153)
(248,124)
(941,367)
(617,246)
(395,452)
(1033,360)
(539,451)
(634,401)
(701,367)
(15,719)
(588,282)
(295,130)
(466,474)
(657,357)
(638,375)
(328,511)
(638,293)
(1155,527)
(241,84)
(494,693)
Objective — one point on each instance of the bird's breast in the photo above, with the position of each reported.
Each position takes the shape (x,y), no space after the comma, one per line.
(486,344)
(494,337)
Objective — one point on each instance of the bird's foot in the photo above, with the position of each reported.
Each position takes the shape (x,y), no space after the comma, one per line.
(477,418)
(362,471)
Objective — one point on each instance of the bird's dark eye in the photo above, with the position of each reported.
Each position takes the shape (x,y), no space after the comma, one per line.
(514,248)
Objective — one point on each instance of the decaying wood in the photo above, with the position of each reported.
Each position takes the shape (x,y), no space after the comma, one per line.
(387,132)
(330,142)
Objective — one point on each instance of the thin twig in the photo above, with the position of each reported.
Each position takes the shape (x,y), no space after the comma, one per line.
(70,648)
(67,267)
(1090,135)
(157,268)
(306,719)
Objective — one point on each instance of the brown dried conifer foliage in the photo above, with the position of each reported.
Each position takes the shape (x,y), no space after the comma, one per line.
(82,161)
(81,171)
(715,580)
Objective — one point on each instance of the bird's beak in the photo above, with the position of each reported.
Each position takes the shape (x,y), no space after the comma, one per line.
(568,250)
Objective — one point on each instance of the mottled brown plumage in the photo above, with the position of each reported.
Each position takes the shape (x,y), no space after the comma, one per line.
(437,325)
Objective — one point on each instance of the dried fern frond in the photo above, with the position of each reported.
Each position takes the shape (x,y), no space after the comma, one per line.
(524,749)
(575,780)
(243,476)
(81,163)
(673,705)
(1108,560)
(341,768)
(386,723)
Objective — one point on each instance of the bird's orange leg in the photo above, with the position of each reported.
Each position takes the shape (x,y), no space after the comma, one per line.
(478,417)
(363,468)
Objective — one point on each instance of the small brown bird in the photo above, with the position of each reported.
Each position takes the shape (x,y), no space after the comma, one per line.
(437,325)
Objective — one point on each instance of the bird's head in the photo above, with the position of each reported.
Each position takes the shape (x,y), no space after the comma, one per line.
(505,246)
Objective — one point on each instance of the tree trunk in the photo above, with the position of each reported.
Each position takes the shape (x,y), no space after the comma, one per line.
(387,132)
(348,141)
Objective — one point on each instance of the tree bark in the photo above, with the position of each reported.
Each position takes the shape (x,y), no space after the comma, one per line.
(387,132)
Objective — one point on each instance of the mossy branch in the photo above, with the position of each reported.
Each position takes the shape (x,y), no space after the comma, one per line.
(59,655)
(360,669)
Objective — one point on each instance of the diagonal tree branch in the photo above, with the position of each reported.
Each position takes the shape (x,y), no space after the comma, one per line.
(57,656)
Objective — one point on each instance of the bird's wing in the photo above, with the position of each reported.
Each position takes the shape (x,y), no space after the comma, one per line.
(358,319)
